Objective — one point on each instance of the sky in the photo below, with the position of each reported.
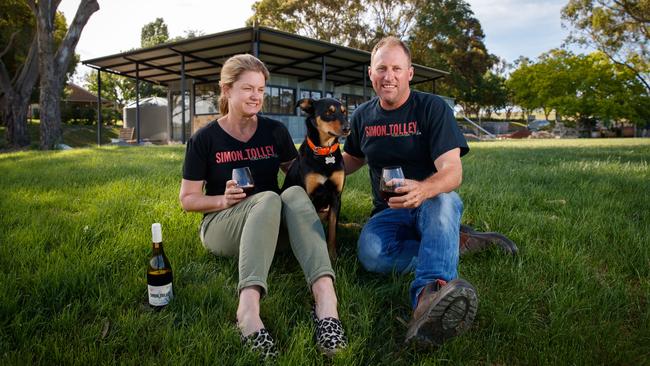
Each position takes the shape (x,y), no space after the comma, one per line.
(512,27)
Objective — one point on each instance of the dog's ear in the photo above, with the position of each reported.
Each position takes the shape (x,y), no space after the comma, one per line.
(307,105)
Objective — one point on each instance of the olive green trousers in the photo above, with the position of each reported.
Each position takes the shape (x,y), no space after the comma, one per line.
(249,231)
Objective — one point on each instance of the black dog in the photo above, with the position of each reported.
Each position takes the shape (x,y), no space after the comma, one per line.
(319,167)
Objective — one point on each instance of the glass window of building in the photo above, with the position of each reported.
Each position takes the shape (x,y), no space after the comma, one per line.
(279,100)
(352,101)
(206,98)
(313,94)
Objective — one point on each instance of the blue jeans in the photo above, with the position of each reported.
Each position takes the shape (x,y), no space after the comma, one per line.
(423,239)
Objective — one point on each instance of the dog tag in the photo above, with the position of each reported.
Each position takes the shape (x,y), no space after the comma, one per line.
(330,160)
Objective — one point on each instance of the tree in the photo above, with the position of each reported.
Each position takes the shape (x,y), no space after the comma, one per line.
(600,90)
(337,21)
(19,70)
(446,35)
(53,64)
(584,88)
(114,87)
(618,28)
(493,93)
(354,23)
(502,70)
(189,33)
(518,83)
(121,89)
(16,33)
(392,18)
(537,85)
(154,33)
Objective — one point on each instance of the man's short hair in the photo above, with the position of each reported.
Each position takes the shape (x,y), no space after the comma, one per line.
(391,41)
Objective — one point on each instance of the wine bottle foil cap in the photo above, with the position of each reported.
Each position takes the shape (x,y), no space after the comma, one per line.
(156,233)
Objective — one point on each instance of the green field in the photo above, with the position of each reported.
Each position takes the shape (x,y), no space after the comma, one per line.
(75,238)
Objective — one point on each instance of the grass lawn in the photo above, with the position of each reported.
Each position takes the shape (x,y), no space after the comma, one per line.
(75,238)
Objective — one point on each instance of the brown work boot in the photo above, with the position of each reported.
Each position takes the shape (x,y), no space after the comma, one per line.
(444,310)
(474,241)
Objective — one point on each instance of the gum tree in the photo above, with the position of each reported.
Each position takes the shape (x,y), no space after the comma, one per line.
(353,23)
(53,62)
(618,28)
(446,35)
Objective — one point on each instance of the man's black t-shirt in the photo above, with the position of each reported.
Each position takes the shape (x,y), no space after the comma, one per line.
(412,136)
(212,154)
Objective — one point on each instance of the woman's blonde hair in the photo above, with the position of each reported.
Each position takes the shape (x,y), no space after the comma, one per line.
(232,70)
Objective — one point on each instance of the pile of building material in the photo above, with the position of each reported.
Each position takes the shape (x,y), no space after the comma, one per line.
(543,135)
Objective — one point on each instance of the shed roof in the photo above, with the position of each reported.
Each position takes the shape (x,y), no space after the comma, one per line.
(283,53)
(78,94)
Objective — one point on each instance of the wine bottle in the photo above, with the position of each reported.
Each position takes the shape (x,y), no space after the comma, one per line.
(159,272)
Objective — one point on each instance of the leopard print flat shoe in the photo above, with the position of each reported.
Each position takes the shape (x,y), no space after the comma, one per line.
(261,342)
(329,335)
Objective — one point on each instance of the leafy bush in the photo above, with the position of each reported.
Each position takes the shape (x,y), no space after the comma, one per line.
(80,114)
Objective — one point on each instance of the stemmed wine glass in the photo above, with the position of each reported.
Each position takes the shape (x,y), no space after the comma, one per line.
(244,179)
(391,178)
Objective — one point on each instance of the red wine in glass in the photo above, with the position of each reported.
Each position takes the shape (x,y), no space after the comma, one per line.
(391,178)
(248,189)
(244,179)
(386,195)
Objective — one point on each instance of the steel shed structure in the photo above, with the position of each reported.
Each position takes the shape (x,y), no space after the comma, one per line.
(200,59)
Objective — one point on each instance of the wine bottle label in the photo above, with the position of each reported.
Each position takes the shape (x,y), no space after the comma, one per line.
(160,295)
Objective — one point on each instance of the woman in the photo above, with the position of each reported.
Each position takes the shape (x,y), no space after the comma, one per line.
(247,227)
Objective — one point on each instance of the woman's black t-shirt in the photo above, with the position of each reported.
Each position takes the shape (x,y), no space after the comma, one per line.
(212,154)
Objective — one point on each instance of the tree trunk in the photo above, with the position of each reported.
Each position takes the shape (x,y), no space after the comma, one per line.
(16,122)
(508,113)
(51,133)
(52,65)
(16,97)
(50,114)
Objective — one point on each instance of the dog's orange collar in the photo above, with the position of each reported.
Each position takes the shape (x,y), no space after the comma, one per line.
(320,150)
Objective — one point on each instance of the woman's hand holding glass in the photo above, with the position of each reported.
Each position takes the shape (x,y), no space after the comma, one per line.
(233,193)
(244,179)
(239,187)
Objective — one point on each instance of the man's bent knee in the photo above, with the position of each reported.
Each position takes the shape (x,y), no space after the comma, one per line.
(444,206)
(370,251)
(443,212)
(443,202)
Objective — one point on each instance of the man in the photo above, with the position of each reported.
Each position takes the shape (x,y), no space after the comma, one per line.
(418,231)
